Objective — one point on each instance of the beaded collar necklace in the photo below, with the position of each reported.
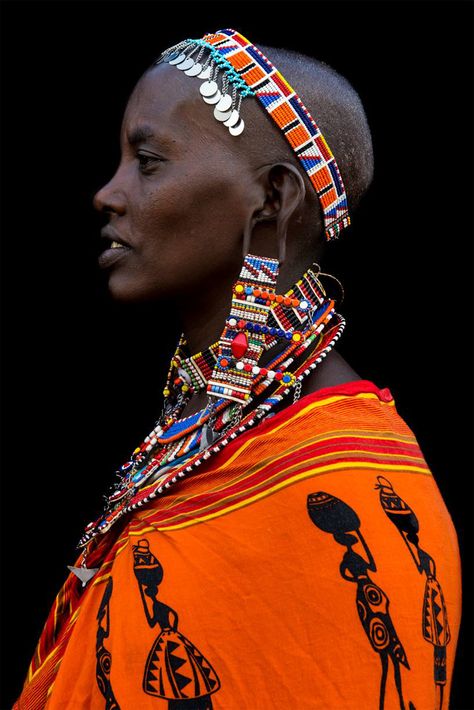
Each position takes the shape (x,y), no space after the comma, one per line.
(258,320)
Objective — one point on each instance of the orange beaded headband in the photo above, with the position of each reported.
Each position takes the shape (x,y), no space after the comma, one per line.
(245,71)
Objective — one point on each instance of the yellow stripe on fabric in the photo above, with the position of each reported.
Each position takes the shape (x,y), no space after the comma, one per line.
(291,421)
(298,415)
(55,650)
(347,464)
(287,482)
(320,437)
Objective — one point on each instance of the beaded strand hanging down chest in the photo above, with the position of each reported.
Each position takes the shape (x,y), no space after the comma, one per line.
(230,373)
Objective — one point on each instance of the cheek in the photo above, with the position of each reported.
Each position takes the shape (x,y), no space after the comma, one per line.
(192,212)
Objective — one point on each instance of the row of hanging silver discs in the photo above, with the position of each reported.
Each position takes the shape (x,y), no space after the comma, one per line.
(221,84)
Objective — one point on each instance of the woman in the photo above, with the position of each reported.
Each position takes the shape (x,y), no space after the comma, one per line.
(222,161)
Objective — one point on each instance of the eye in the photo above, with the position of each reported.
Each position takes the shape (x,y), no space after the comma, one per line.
(147,161)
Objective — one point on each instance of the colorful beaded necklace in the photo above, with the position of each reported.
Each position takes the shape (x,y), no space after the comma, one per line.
(259,319)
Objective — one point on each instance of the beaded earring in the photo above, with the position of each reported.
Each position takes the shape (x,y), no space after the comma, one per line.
(242,341)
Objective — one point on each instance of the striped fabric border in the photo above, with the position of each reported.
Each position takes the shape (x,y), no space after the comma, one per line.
(333,451)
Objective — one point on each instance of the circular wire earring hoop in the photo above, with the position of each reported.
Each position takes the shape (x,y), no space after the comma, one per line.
(317,272)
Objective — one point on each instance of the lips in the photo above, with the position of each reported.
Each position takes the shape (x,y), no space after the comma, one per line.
(113,236)
(118,249)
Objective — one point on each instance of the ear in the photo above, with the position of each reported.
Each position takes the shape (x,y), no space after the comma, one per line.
(284,191)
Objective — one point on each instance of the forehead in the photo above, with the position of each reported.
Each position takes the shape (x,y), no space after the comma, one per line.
(170,101)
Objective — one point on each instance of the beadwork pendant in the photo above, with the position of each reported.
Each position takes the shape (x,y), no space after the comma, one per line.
(228,381)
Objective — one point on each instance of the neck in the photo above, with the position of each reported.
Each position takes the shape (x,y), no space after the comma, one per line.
(202,315)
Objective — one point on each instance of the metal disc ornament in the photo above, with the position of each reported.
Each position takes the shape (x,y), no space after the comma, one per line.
(208,88)
(238,129)
(225,103)
(205,74)
(213,99)
(233,120)
(187,64)
(221,115)
(177,60)
(194,70)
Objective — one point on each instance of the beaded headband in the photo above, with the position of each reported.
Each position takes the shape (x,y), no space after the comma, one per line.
(243,70)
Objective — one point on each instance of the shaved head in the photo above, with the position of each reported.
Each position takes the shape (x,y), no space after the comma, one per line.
(337,109)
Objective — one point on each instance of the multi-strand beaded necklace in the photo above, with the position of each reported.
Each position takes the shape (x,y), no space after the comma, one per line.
(240,392)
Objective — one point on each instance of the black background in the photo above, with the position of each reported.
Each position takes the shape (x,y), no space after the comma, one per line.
(81,384)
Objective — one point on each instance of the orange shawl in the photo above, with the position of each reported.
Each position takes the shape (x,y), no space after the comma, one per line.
(311,563)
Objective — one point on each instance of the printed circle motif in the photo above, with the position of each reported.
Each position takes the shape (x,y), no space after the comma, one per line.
(373,594)
(378,633)
(105,662)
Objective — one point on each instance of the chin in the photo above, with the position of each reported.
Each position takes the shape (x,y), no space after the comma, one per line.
(126,289)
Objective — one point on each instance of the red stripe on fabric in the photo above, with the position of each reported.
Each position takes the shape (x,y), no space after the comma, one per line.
(261,489)
(257,480)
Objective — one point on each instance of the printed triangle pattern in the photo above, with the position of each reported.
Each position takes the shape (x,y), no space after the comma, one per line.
(176,669)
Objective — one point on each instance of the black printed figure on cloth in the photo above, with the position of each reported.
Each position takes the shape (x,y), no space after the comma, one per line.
(435,625)
(332,515)
(104,658)
(175,670)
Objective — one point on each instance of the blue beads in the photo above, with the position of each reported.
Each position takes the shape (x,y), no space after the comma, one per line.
(233,76)
(248,290)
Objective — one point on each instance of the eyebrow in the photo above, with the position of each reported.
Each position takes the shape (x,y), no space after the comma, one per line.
(139,134)
(143,133)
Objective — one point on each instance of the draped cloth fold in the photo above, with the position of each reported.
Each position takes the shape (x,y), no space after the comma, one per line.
(310,563)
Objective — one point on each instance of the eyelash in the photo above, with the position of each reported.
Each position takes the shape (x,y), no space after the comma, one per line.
(145,161)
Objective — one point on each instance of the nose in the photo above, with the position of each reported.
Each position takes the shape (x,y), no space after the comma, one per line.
(110,199)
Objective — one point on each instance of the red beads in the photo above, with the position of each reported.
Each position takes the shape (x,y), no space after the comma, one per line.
(239,345)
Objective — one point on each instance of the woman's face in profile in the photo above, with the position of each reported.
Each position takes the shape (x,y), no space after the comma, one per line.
(181,194)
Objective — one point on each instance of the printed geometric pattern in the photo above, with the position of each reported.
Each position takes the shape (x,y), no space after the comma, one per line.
(175,669)
(435,618)
(292,117)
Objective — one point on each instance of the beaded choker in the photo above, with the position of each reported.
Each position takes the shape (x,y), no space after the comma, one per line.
(231,68)
(240,392)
